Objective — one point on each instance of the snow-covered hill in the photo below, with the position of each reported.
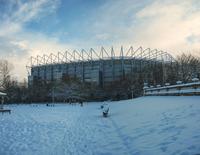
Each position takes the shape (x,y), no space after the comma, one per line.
(146,126)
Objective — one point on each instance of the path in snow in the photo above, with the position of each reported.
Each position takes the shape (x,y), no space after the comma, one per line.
(147,125)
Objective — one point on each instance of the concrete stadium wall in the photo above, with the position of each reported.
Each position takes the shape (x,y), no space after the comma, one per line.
(100,71)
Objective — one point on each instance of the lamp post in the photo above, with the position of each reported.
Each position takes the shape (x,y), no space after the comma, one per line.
(1,107)
(132,91)
(2,99)
(53,95)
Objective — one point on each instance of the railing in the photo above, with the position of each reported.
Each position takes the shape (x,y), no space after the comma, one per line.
(192,88)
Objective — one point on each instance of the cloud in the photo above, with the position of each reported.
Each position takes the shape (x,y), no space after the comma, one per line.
(168,25)
(19,51)
(20,13)
(16,43)
(165,25)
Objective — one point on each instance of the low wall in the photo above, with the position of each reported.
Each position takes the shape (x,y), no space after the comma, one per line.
(179,89)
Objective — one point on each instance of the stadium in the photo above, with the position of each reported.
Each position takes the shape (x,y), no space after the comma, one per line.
(100,68)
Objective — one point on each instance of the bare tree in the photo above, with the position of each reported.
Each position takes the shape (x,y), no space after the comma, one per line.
(5,69)
(188,67)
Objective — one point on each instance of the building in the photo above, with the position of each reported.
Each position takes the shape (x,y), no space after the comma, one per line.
(100,68)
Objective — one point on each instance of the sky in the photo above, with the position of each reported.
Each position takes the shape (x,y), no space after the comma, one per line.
(36,27)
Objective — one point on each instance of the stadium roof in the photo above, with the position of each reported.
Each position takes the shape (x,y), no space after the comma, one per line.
(92,55)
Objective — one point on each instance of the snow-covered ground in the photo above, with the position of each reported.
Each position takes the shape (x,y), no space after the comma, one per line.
(142,126)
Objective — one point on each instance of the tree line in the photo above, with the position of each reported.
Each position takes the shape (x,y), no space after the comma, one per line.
(185,68)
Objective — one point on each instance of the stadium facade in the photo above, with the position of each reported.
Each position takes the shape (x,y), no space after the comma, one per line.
(96,67)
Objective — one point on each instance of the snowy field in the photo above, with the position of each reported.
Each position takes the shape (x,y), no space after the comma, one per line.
(143,126)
